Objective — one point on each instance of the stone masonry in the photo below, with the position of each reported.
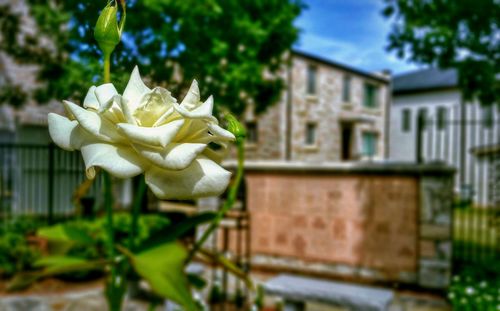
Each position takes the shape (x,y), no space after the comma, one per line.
(435,238)
(281,130)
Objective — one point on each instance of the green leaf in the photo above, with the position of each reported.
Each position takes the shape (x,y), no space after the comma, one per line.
(174,232)
(163,268)
(59,261)
(67,233)
(196,281)
(62,237)
(228,264)
(59,266)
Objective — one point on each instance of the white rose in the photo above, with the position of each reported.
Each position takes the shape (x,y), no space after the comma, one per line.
(147,131)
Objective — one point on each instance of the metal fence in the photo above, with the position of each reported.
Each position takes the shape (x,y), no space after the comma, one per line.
(39,180)
(472,146)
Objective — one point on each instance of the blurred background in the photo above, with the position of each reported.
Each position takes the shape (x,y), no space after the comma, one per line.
(372,153)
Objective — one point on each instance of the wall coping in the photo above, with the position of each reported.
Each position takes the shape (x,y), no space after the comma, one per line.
(378,167)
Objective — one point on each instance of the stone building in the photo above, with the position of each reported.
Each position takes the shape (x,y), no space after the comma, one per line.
(328,112)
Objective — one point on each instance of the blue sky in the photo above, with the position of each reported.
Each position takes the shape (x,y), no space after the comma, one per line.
(352,32)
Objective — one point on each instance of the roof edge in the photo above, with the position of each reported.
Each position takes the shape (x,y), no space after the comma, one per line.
(344,67)
(424,90)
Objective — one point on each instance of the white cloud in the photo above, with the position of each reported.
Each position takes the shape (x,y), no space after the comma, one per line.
(367,57)
(354,33)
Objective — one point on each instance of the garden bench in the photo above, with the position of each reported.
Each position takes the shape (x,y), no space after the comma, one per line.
(296,290)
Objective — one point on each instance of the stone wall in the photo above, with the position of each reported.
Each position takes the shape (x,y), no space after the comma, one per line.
(435,240)
(378,222)
(326,109)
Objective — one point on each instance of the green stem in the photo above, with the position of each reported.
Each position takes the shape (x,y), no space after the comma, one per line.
(108,204)
(112,286)
(107,68)
(228,204)
(136,210)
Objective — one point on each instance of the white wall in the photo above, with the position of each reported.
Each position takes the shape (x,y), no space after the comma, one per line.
(444,145)
(402,145)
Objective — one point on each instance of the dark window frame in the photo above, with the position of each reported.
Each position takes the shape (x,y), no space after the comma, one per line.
(252,132)
(406,120)
(370,95)
(311,134)
(346,88)
(312,79)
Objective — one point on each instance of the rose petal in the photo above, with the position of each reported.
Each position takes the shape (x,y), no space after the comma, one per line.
(202,178)
(174,157)
(135,90)
(105,93)
(110,103)
(204,111)
(153,106)
(167,116)
(192,129)
(66,133)
(121,162)
(223,134)
(200,131)
(94,123)
(90,100)
(158,136)
(113,101)
(216,155)
(126,111)
(192,98)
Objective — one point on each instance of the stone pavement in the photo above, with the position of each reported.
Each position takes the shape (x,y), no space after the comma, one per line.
(88,300)
(403,302)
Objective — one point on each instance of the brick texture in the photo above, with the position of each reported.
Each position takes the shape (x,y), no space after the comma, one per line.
(362,221)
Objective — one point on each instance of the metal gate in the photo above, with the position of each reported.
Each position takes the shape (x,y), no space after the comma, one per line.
(39,180)
(470,142)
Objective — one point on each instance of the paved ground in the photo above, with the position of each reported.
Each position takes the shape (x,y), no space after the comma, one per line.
(404,302)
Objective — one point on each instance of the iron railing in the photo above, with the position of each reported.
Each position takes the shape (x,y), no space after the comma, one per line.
(39,180)
(472,146)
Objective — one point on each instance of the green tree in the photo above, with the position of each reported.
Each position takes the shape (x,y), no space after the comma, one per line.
(229,46)
(460,34)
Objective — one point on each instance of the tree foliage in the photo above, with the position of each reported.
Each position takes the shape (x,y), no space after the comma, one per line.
(460,34)
(229,46)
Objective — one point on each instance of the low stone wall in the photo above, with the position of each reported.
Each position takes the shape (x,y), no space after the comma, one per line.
(374,221)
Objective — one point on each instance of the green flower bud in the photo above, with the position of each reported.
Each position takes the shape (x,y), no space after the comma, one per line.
(107,32)
(235,127)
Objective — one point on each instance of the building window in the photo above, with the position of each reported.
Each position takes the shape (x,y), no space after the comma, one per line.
(346,89)
(311,79)
(252,135)
(310,134)
(406,120)
(369,144)
(487,116)
(441,118)
(370,100)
